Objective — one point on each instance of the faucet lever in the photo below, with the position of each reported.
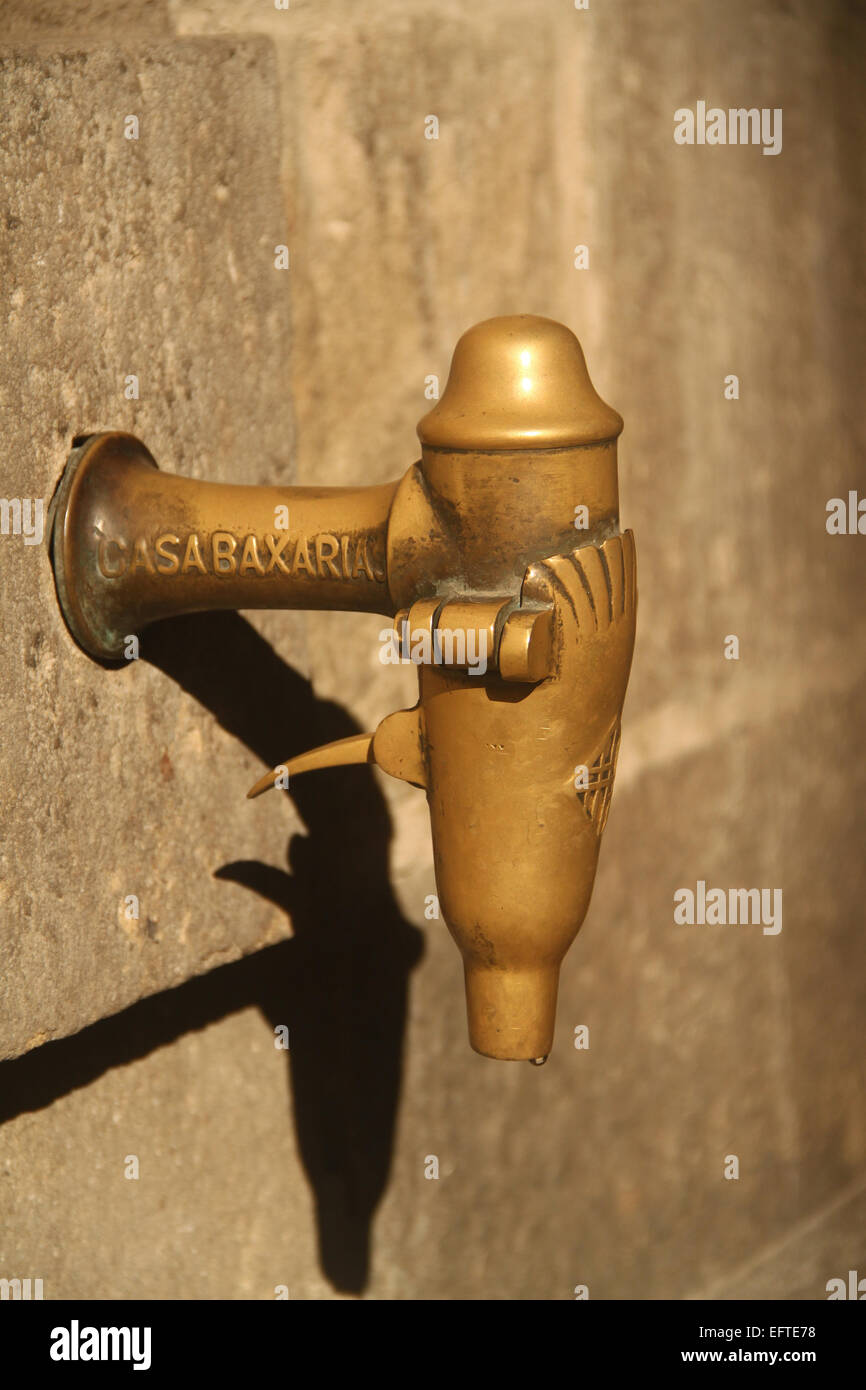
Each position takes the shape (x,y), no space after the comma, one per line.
(341,753)
(395,747)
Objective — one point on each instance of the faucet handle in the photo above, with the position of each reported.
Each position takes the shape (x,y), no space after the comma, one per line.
(395,747)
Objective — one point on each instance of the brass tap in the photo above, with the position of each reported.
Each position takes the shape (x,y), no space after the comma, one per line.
(499,558)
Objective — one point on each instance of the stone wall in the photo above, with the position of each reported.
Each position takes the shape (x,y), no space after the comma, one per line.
(154,1037)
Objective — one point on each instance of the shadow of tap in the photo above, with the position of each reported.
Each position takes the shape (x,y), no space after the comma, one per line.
(340,985)
(342,989)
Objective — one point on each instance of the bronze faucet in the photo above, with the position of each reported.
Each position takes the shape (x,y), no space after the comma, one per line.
(499,557)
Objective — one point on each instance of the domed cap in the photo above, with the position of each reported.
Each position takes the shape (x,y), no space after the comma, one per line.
(518,383)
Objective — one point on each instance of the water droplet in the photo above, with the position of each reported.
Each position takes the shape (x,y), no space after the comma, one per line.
(538,1061)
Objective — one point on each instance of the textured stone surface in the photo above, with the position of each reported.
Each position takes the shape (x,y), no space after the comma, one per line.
(174,1231)
(737,266)
(155,258)
(603,1168)
(606,1166)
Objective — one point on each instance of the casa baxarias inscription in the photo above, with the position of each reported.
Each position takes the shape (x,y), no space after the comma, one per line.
(322,556)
